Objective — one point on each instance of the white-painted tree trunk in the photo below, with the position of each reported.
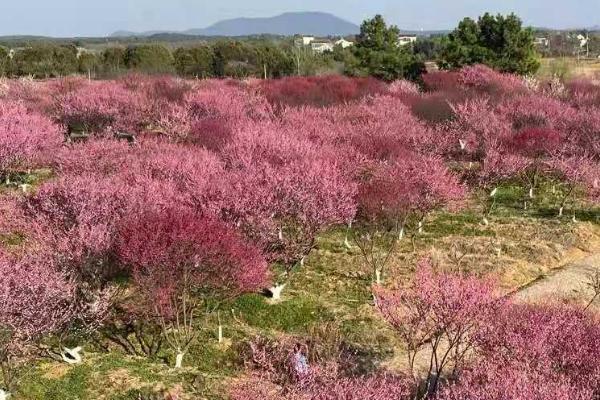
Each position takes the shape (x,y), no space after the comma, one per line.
(470,164)
(574,219)
(378,276)
(401,234)
(220,333)
(72,356)
(420,226)
(525,206)
(560,211)
(280,234)
(276,291)
(485,221)
(179,358)
(347,243)
(531,193)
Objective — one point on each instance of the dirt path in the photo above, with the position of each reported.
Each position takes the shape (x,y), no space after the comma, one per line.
(569,282)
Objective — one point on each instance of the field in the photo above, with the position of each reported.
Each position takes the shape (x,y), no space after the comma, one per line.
(306,238)
(569,67)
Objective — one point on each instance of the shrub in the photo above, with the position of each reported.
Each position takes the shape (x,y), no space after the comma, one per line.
(319,91)
(26,138)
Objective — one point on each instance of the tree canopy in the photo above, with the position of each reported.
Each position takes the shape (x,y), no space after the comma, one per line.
(498,41)
(379,54)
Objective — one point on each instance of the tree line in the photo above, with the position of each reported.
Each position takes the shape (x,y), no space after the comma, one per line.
(498,41)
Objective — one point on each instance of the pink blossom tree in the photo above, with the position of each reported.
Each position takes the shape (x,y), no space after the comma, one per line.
(390,195)
(439,314)
(101,108)
(37,299)
(544,352)
(26,139)
(80,215)
(536,146)
(283,192)
(577,172)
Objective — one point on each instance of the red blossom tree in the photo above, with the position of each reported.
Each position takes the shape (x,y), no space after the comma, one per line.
(319,91)
(175,253)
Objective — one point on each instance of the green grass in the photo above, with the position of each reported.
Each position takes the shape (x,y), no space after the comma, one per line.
(293,315)
(13,239)
(71,386)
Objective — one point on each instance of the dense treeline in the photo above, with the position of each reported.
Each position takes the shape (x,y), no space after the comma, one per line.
(226,58)
(498,41)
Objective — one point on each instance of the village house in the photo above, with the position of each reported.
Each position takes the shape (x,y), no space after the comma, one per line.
(344,43)
(404,40)
(304,41)
(321,47)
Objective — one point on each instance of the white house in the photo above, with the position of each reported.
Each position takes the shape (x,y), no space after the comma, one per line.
(304,40)
(404,40)
(542,41)
(344,43)
(321,47)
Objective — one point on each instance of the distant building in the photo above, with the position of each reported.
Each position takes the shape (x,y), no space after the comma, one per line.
(542,41)
(304,40)
(321,47)
(404,40)
(344,43)
(82,50)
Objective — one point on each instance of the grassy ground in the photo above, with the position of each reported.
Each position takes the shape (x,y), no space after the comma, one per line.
(569,67)
(332,290)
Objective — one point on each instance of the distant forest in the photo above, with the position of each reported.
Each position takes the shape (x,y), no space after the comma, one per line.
(271,56)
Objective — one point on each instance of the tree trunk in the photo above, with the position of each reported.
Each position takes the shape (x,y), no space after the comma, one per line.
(347,243)
(276,291)
(378,276)
(179,358)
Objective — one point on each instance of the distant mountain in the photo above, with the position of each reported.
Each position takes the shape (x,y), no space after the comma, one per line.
(138,34)
(287,24)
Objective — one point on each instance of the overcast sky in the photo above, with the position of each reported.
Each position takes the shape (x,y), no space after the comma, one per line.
(102,17)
